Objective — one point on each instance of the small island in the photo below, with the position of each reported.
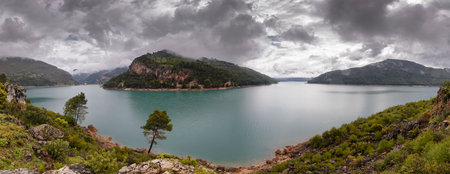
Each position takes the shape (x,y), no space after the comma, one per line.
(164,70)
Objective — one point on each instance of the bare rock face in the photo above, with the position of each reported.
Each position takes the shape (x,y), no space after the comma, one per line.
(15,94)
(18,171)
(46,132)
(159,166)
(71,169)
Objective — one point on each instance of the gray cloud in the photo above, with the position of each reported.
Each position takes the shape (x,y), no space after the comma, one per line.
(14,29)
(298,34)
(276,37)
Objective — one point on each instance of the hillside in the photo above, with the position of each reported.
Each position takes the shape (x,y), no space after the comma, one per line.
(387,72)
(29,72)
(410,138)
(167,70)
(99,77)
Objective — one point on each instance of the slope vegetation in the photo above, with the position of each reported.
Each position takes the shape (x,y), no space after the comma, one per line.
(387,72)
(29,72)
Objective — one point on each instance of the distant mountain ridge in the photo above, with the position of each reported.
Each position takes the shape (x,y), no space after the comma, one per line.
(167,70)
(387,72)
(30,72)
(100,76)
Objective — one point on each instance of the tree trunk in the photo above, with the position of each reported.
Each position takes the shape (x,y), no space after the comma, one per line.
(151,144)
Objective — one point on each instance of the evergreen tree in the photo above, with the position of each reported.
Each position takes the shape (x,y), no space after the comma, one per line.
(76,107)
(157,123)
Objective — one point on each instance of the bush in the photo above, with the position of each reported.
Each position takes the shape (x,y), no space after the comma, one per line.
(316,142)
(34,115)
(414,164)
(439,152)
(394,157)
(58,149)
(385,145)
(103,162)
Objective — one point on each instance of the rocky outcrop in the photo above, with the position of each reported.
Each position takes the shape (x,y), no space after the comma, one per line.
(105,142)
(45,132)
(15,94)
(19,171)
(160,166)
(72,169)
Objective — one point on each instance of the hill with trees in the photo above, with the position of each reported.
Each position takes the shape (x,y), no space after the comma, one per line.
(166,70)
(29,72)
(387,72)
(99,77)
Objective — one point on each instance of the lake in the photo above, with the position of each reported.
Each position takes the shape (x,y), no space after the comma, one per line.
(233,127)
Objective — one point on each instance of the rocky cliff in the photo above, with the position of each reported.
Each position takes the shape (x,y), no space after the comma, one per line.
(166,70)
(15,94)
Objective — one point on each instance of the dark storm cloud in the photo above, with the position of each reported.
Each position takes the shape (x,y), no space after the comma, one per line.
(375,48)
(357,17)
(14,29)
(298,34)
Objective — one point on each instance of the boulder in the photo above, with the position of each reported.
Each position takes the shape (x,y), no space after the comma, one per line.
(15,94)
(18,171)
(159,166)
(71,169)
(46,132)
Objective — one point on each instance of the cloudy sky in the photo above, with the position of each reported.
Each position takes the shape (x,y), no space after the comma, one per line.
(281,38)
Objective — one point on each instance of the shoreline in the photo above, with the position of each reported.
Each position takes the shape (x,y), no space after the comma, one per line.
(181,89)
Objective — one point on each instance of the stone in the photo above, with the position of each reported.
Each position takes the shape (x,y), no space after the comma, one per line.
(18,171)
(15,94)
(46,132)
(71,169)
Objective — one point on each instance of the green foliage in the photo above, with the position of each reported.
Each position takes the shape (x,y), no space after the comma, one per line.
(29,72)
(62,122)
(3,78)
(440,152)
(3,94)
(156,124)
(209,73)
(385,145)
(58,149)
(103,161)
(316,141)
(76,107)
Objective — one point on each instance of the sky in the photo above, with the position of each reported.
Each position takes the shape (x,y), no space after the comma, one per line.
(280,38)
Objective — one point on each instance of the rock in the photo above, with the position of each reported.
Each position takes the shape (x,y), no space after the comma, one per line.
(159,166)
(18,171)
(140,150)
(46,132)
(15,94)
(71,169)
(28,156)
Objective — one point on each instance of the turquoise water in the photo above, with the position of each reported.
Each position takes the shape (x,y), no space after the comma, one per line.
(232,127)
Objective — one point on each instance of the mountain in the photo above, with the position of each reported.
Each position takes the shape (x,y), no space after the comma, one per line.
(99,77)
(387,72)
(166,70)
(29,72)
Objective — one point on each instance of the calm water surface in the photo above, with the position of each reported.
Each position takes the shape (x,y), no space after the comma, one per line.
(231,127)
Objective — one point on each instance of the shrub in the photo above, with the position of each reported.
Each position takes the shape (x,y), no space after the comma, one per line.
(316,141)
(439,152)
(58,149)
(400,139)
(103,161)
(413,133)
(34,115)
(62,122)
(414,164)
(394,157)
(385,145)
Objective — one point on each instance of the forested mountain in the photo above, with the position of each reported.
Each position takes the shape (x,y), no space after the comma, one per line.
(167,70)
(387,72)
(99,77)
(29,72)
